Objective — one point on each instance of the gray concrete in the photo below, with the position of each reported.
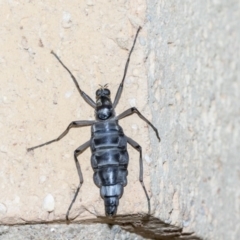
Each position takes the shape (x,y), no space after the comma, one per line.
(71,232)
(194,92)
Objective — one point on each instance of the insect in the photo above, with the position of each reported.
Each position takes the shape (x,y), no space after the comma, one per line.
(108,144)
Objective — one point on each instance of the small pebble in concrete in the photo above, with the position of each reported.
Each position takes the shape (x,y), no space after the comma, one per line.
(49,203)
(66,20)
(147,158)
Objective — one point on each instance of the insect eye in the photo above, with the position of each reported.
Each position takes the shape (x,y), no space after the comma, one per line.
(98,92)
(106,92)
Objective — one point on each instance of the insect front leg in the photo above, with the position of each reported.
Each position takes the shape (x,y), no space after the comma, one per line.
(82,93)
(139,149)
(132,110)
(77,152)
(75,124)
(120,88)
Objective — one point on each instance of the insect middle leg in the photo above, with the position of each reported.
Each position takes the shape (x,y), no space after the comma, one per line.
(139,149)
(77,152)
(75,124)
(132,110)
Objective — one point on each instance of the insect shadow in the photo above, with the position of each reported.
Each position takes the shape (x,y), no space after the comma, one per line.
(108,144)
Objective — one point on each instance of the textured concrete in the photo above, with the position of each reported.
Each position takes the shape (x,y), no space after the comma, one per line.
(71,232)
(194,91)
(183,76)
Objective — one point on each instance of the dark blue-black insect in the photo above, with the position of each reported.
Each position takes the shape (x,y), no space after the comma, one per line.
(108,144)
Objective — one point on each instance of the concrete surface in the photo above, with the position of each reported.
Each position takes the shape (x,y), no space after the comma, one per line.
(183,76)
(194,91)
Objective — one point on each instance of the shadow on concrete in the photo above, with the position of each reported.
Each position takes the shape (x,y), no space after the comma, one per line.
(146,226)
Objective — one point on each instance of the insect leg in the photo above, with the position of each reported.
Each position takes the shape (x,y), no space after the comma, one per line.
(77,152)
(139,149)
(74,124)
(82,93)
(132,110)
(120,88)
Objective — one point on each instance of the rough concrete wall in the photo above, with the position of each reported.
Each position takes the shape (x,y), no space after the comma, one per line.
(39,100)
(194,89)
(182,67)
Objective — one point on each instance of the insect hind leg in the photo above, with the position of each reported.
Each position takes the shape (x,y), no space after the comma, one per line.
(77,152)
(139,149)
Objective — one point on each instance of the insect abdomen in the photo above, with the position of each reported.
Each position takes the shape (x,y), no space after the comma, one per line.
(109,161)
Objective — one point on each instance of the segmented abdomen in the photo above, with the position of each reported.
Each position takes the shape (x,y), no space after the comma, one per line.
(109,161)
